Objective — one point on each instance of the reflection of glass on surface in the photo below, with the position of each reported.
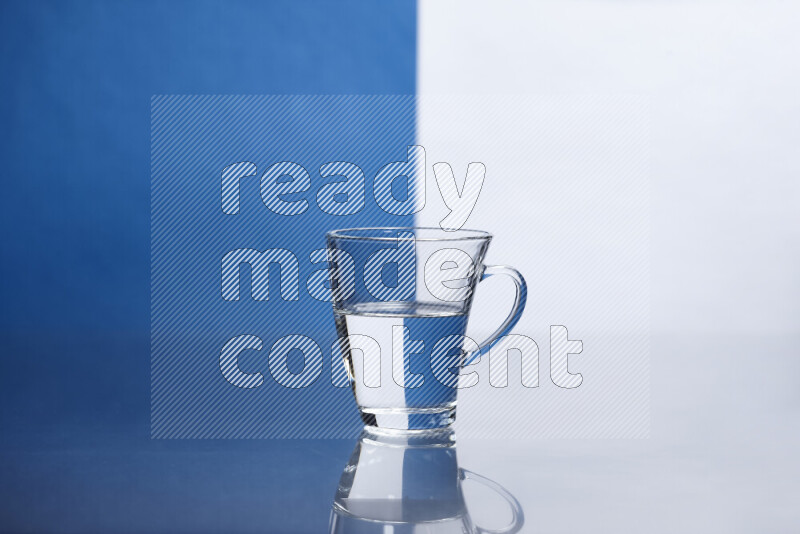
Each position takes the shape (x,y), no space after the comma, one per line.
(403,483)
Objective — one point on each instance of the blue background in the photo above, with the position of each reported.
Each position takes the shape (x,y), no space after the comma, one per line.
(75,453)
(193,139)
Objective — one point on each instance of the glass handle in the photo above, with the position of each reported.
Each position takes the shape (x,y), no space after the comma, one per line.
(517,516)
(516,311)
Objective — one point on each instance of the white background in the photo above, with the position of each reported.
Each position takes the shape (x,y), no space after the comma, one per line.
(723,85)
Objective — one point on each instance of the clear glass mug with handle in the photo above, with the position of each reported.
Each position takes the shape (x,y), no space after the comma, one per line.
(401,302)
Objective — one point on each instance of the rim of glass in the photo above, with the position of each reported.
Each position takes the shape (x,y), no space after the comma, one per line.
(462,234)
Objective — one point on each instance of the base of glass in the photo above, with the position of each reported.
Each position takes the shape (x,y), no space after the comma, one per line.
(409,419)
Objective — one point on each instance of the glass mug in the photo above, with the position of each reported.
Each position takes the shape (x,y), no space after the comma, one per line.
(410,484)
(401,302)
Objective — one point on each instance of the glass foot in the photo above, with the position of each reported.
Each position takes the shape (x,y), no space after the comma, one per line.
(409,419)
